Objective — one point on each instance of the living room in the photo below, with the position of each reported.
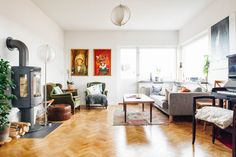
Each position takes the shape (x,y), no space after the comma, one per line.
(173,39)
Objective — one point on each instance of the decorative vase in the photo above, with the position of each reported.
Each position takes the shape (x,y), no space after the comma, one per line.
(4,134)
(156,78)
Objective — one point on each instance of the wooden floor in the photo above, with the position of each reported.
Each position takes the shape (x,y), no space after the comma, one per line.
(90,133)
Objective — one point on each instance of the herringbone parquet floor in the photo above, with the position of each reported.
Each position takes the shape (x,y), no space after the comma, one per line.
(90,133)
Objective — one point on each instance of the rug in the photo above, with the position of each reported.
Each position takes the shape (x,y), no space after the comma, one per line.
(139,118)
(42,132)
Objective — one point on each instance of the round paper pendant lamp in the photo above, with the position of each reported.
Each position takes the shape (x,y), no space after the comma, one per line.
(120,15)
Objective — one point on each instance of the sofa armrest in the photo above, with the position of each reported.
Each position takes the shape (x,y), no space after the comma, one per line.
(181,103)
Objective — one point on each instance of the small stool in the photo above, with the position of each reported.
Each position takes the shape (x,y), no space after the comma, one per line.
(59,112)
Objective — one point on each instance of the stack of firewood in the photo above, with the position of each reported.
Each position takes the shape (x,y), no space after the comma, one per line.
(18,129)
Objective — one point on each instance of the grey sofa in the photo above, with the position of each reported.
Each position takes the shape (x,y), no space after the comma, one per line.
(175,103)
(178,104)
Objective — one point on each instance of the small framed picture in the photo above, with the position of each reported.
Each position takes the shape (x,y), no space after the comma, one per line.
(79,62)
(102,62)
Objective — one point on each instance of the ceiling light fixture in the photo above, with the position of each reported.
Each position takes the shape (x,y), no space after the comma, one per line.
(120,15)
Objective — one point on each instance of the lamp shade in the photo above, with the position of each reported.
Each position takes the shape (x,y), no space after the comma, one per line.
(120,15)
(46,53)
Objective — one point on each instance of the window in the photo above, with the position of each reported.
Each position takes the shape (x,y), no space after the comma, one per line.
(128,63)
(193,55)
(157,62)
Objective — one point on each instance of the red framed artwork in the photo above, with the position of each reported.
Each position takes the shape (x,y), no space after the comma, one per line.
(102,62)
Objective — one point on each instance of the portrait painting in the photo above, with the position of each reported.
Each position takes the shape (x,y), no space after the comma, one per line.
(79,62)
(102,62)
(220,40)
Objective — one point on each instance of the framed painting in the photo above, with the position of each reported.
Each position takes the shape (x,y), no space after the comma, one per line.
(220,40)
(102,62)
(79,62)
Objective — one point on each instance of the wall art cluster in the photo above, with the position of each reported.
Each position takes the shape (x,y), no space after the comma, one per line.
(80,62)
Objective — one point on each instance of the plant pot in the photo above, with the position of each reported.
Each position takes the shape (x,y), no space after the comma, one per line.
(70,86)
(4,134)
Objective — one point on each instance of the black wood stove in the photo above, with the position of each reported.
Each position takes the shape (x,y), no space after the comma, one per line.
(28,83)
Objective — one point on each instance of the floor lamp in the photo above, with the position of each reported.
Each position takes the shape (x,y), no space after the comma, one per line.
(46,54)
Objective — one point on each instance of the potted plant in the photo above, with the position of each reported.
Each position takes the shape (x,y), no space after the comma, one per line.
(5,85)
(206,66)
(70,83)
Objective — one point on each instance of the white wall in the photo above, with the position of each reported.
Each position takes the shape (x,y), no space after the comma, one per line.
(24,21)
(114,40)
(209,16)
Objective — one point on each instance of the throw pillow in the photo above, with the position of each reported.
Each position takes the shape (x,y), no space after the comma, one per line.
(57,90)
(198,89)
(164,87)
(95,89)
(175,88)
(184,89)
(156,90)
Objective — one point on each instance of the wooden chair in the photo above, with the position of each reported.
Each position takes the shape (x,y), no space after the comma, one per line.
(200,104)
(230,129)
(218,83)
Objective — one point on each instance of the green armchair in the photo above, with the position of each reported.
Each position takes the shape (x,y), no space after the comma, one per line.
(64,98)
(97,98)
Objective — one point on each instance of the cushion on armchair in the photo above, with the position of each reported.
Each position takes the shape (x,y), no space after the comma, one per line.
(57,90)
(95,89)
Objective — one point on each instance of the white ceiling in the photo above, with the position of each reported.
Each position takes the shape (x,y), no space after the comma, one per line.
(145,14)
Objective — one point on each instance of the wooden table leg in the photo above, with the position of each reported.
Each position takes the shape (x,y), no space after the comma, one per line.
(194,121)
(143,106)
(125,111)
(193,129)
(221,102)
(151,112)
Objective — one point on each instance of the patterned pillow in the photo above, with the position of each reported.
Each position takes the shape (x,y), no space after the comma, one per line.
(95,89)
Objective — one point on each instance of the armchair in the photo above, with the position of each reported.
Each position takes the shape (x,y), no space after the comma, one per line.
(63,98)
(96,98)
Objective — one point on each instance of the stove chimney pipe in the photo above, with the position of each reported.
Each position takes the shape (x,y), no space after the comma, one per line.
(23,50)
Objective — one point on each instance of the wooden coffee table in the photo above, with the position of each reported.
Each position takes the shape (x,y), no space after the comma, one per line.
(131,99)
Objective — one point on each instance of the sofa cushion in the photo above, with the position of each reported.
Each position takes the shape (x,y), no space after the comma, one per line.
(160,101)
(198,89)
(175,88)
(184,89)
(156,89)
(165,86)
